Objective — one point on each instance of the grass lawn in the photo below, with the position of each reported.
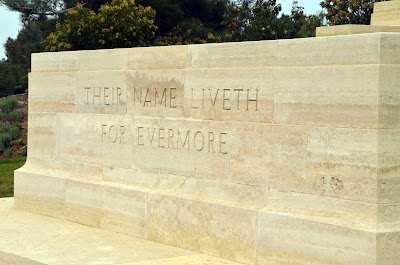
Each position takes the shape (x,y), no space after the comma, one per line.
(7,167)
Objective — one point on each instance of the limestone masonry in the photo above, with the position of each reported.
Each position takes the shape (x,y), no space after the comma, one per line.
(271,152)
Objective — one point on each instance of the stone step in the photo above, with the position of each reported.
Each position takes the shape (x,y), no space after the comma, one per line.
(31,239)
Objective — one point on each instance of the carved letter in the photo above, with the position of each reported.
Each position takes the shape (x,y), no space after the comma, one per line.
(105,96)
(192,101)
(254,100)
(160,138)
(163,98)
(119,93)
(116,134)
(147,98)
(103,132)
(225,99)
(170,136)
(183,143)
(140,135)
(97,95)
(215,99)
(172,97)
(87,94)
(211,138)
(152,136)
(221,143)
(194,140)
(122,131)
(238,96)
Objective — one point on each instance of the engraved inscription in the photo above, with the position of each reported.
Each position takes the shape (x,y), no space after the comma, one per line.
(201,141)
(154,97)
(112,134)
(229,99)
(103,96)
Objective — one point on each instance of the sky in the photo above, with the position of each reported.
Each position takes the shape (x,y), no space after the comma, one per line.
(10,25)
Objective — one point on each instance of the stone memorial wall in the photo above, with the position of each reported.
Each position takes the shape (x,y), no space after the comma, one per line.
(270,152)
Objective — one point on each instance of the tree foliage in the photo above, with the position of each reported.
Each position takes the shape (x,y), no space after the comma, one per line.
(186,14)
(120,24)
(39,9)
(339,12)
(14,70)
(260,20)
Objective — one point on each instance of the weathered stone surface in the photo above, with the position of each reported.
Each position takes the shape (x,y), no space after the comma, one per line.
(158,93)
(386,14)
(233,55)
(52,91)
(96,139)
(43,133)
(101,92)
(276,152)
(29,239)
(327,96)
(222,231)
(246,94)
(348,29)
(172,57)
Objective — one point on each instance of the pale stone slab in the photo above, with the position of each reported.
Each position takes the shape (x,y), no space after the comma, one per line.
(96,139)
(52,91)
(327,96)
(43,133)
(233,55)
(389,98)
(158,93)
(83,203)
(102,92)
(144,181)
(171,57)
(387,247)
(161,144)
(353,29)
(224,193)
(343,163)
(246,94)
(32,193)
(124,211)
(185,260)
(313,52)
(269,156)
(388,215)
(287,240)
(213,191)
(65,169)
(386,14)
(303,230)
(324,209)
(223,231)
(103,60)
(388,154)
(55,62)
(390,49)
(29,239)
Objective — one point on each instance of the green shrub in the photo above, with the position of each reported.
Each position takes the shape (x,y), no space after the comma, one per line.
(8,152)
(18,142)
(23,150)
(14,132)
(8,105)
(5,138)
(12,116)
